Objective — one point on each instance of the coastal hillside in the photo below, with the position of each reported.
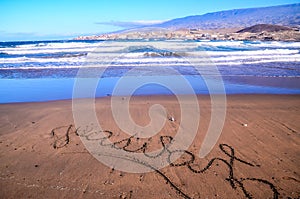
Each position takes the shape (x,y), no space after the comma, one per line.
(287,15)
(264,27)
(276,23)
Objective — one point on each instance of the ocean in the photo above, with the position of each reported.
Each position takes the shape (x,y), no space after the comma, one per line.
(48,70)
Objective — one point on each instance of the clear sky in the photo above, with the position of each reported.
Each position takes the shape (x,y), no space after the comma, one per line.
(55,19)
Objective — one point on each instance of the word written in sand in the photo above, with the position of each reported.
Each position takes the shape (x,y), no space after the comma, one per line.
(62,140)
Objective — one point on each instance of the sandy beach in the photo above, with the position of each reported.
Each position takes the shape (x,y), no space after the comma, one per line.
(256,156)
(150,99)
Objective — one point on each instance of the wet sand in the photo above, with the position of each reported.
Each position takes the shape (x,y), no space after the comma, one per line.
(43,156)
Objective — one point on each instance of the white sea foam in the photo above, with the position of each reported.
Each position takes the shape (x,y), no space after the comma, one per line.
(249,53)
(44,67)
(178,61)
(270,44)
(50,48)
(115,55)
(276,44)
(39,60)
(45,51)
(163,63)
(203,57)
(221,43)
(57,45)
(111,47)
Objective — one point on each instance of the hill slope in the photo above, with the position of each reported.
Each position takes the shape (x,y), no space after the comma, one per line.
(264,27)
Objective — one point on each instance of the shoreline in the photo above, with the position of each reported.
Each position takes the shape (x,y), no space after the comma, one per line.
(48,89)
(156,96)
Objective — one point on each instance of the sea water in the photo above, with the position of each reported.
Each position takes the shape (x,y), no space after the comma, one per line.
(48,70)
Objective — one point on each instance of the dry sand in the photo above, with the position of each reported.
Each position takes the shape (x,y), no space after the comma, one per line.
(260,160)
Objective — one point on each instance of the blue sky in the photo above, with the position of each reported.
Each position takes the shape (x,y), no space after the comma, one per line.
(60,19)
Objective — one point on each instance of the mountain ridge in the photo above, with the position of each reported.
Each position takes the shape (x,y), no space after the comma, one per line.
(286,15)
